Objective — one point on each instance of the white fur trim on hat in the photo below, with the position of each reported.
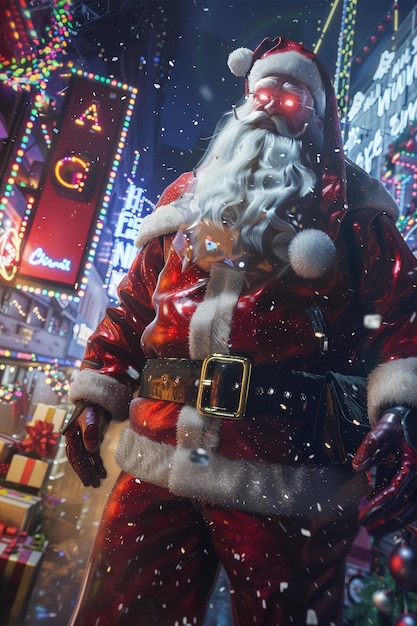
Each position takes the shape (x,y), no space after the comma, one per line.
(311,253)
(290,63)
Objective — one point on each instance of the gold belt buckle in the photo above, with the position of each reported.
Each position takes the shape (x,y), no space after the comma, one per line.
(207,383)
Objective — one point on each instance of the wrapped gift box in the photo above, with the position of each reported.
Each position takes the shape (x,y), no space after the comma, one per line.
(19,565)
(19,509)
(11,418)
(50,414)
(8,446)
(26,471)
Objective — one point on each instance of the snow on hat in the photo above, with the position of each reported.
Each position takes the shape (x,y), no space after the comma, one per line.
(279,56)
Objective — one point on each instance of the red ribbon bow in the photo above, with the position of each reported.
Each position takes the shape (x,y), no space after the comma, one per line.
(40,439)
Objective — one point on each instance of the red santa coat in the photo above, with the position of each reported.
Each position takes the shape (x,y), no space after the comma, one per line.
(262,463)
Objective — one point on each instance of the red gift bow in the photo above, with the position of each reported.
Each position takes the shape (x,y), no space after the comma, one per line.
(40,439)
(4,468)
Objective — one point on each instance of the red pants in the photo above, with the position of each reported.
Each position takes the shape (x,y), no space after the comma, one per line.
(156,556)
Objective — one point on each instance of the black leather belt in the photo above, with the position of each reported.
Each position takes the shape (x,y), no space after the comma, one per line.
(228,386)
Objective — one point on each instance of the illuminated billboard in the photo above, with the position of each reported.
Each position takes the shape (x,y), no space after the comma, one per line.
(57,243)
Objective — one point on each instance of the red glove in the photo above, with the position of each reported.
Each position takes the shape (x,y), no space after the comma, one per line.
(390,446)
(84,434)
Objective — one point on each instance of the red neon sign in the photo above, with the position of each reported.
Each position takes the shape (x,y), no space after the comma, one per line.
(55,247)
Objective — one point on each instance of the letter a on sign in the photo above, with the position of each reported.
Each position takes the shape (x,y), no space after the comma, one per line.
(90,116)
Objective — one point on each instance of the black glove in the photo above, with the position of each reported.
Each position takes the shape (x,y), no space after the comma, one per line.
(390,446)
(84,434)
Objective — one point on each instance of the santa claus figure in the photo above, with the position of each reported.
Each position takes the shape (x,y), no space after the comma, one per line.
(270,313)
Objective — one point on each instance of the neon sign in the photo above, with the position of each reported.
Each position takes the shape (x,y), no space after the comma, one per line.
(9,253)
(39,257)
(71,172)
(90,115)
(124,250)
(392,97)
(65,227)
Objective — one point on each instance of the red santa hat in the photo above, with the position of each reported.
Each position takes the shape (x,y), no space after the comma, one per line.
(311,252)
(279,56)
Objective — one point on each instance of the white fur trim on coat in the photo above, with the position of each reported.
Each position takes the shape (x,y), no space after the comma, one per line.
(392,384)
(211,322)
(253,486)
(167,219)
(103,390)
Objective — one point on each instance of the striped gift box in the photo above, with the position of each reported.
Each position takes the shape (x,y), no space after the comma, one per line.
(50,414)
(19,565)
(26,471)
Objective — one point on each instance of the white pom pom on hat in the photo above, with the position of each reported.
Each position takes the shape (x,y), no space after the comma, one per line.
(284,57)
(240,61)
(311,253)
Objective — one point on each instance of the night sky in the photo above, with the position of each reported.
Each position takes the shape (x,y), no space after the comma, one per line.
(185,89)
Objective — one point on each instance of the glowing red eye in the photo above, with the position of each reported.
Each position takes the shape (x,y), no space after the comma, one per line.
(290,103)
(262,96)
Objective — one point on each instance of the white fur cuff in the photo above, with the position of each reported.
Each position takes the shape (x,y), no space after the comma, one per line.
(97,388)
(392,384)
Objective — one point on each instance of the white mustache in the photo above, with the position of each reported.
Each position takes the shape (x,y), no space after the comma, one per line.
(255,118)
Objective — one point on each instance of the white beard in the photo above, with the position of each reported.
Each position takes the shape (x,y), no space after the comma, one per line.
(249,179)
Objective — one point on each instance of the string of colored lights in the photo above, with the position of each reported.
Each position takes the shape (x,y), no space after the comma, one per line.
(112,176)
(56,379)
(33,66)
(345,55)
(133,170)
(391,16)
(333,8)
(131,92)
(406,222)
(31,71)
(37,358)
(14,170)
(11,183)
(344,50)
(345,45)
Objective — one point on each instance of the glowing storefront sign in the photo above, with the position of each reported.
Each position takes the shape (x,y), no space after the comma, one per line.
(9,253)
(71,172)
(81,333)
(62,236)
(39,257)
(379,115)
(124,250)
(90,117)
